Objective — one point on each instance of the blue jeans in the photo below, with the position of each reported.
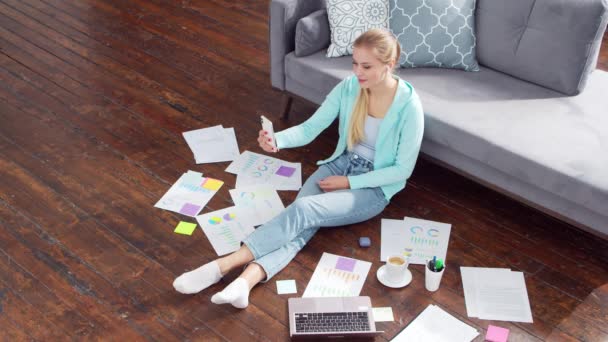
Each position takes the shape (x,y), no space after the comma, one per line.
(275,243)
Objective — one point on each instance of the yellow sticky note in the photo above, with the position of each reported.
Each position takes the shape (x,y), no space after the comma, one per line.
(185,228)
(212,184)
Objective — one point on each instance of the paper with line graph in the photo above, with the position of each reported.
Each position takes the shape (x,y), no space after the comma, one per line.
(225,229)
(417,239)
(337,276)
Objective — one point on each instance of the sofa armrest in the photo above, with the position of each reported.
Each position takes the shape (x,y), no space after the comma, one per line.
(283,17)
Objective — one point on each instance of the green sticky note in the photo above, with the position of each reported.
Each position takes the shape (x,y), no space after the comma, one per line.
(185,228)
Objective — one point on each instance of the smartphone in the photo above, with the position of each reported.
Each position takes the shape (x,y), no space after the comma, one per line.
(267,126)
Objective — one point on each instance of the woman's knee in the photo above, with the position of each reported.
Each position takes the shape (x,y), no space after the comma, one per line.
(303,204)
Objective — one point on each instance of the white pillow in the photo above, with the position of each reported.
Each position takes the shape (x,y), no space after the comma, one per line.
(348,19)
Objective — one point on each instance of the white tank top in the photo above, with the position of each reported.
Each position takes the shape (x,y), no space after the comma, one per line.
(366,148)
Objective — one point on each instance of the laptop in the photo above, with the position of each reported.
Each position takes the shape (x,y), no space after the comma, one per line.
(346,317)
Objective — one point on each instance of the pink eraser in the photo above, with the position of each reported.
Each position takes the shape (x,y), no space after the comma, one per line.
(497,334)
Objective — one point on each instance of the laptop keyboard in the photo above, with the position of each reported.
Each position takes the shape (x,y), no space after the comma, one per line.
(332,321)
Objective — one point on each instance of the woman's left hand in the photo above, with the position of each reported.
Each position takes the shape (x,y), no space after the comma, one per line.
(333,183)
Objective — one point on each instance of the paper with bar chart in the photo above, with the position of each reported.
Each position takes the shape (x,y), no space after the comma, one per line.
(417,239)
(225,229)
(337,276)
(255,169)
(190,194)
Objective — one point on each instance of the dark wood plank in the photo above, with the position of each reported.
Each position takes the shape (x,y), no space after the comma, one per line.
(154,281)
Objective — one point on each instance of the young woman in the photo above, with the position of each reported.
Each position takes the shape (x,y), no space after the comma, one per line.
(380,124)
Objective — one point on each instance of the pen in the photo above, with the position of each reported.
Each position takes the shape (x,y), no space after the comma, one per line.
(439,265)
(434,264)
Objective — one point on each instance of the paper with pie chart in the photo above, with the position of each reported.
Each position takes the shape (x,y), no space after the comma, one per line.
(255,169)
(225,229)
(417,239)
(257,204)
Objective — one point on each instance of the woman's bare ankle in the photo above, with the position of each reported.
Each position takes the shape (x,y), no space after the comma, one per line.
(253,274)
(224,265)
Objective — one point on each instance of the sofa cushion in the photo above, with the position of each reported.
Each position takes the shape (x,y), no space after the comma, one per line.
(348,19)
(435,33)
(553,43)
(539,136)
(312,33)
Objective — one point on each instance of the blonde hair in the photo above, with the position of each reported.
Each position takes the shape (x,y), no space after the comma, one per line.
(386,48)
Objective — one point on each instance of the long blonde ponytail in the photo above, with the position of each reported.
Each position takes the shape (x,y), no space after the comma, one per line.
(386,49)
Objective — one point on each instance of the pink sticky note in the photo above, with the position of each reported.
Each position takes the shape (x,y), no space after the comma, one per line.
(497,334)
(285,171)
(346,264)
(190,209)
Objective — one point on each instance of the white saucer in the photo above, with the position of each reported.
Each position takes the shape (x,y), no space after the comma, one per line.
(381,275)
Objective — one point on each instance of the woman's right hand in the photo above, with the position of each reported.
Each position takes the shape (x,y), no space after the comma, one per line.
(265,142)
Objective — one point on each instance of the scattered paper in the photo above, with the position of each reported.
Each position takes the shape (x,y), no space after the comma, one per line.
(337,276)
(497,334)
(225,229)
(418,240)
(496,294)
(434,324)
(258,204)
(286,286)
(256,169)
(185,228)
(469,277)
(383,314)
(212,144)
(189,195)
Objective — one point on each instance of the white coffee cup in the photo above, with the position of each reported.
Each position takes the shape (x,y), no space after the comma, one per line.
(396,266)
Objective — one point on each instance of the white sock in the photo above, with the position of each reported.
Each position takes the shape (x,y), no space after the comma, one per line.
(198,279)
(237,294)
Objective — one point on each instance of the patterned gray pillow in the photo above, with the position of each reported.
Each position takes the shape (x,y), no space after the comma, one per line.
(348,19)
(435,33)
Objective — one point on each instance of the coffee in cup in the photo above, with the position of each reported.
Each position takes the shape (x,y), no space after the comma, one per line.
(396,266)
(396,260)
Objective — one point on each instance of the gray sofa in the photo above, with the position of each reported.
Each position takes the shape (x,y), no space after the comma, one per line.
(538,145)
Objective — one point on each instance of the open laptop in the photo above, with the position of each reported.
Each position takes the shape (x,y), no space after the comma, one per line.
(346,317)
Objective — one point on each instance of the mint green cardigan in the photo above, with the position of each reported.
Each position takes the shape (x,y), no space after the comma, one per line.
(397,145)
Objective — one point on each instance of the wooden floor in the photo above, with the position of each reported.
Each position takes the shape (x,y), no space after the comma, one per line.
(94,95)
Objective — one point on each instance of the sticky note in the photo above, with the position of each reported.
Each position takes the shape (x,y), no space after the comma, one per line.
(185,228)
(497,334)
(286,286)
(346,264)
(383,314)
(190,209)
(212,184)
(285,171)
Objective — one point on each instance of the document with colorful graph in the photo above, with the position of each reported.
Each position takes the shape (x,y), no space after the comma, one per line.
(417,239)
(190,194)
(225,229)
(255,169)
(257,204)
(337,276)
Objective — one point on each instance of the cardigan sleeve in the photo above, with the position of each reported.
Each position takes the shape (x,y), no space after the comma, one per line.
(307,131)
(410,140)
